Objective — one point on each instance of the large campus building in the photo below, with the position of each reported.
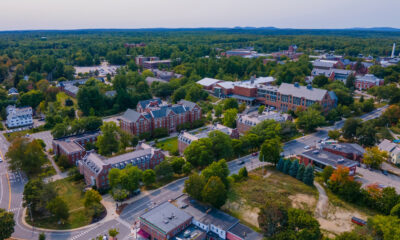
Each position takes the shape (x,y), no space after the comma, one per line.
(95,167)
(19,117)
(245,122)
(152,114)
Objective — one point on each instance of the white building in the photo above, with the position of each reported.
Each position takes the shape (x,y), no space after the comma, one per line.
(18,117)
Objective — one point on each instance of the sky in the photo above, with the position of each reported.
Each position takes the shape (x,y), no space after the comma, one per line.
(86,14)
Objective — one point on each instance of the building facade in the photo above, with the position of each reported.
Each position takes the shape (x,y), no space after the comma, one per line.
(152,114)
(245,122)
(19,117)
(367,81)
(392,149)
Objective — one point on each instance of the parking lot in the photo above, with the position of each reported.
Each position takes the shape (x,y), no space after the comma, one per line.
(377,177)
(46,137)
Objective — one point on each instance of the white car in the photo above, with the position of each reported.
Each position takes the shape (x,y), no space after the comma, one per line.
(307,147)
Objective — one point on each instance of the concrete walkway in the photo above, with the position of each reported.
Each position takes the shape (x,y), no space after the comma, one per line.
(322,204)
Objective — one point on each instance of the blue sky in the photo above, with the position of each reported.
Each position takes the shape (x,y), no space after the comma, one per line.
(75,14)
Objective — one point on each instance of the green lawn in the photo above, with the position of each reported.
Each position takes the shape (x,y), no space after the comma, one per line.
(72,193)
(170,144)
(62,96)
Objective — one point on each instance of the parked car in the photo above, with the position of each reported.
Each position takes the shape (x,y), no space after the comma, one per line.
(307,147)
(241,162)
(358,221)
(136,192)
(254,154)
(384,172)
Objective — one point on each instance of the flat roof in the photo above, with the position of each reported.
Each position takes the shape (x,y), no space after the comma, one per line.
(245,232)
(165,217)
(346,148)
(328,158)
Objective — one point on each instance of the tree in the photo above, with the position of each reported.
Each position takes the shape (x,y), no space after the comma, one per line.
(177,164)
(164,170)
(271,150)
(230,103)
(108,142)
(7,224)
(242,107)
(334,134)
(119,194)
(218,110)
(374,157)
(392,114)
(395,211)
(214,192)
(113,232)
(124,140)
(286,166)
(149,177)
(303,224)
(31,98)
(130,178)
(230,117)
(134,141)
(195,185)
(280,164)
(320,81)
(114,176)
(221,145)
(327,173)
(349,130)
(59,130)
(219,169)
(300,172)
(243,174)
(366,134)
(350,81)
(42,236)
(90,97)
(261,109)
(272,218)
(310,119)
(388,200)
(187,168)
(308,177)
(26,155)
(58,208)
(199,153)
(294,168)
(385,227)
(92,197)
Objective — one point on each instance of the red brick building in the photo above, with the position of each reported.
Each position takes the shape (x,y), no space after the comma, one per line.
(73,147)
(350,151)
(95,167)
(291,96)
(152,114)
(367,81)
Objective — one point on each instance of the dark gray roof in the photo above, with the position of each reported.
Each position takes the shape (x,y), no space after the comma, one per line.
(165,217)
(72,89)
(187,104)
(12,90)
(144,103)
(328,159)
(244,98)
(131,115)
(346,148)
(150,80)
(165,110)
(245,232)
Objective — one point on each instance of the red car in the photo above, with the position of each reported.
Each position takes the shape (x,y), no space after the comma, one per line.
(358,221)
(254,154)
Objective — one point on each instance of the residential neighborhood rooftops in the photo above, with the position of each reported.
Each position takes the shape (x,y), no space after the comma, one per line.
(166,217)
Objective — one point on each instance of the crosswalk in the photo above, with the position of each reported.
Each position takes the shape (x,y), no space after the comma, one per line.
(15,209)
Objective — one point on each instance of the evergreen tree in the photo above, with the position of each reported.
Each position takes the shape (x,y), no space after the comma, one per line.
(308,177)
(286,166)
(294,168)
(300,172)
(279,166)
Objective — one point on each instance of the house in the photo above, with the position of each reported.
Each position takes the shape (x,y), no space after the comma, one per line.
(367,81)
(350,151)
(153,114)
(139,60)
(150,80)
(166,75)
(95,167)
(245,122)
(392,149)
(70,90)
(292,96)
(152,64)
(333,74)
(13,93)
(73,147)
(163,222)
(185,138)
(19,117)
(320,158)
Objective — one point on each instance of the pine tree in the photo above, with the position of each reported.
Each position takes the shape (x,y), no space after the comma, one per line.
(280,164)
(308,177)
(294,168)
(300,172)
(286,166)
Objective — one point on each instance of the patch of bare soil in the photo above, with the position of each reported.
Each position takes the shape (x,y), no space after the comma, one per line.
(245,212)
(303,201)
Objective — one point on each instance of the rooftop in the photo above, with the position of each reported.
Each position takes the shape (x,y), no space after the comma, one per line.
(346,148)
(328,158)
(315,94)
(208,81)
(165,217)
(245,232)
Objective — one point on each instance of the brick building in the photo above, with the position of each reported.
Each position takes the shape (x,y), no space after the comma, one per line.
(185,138)
(367,81)
(350,151)
(245,122)
(95,167)
(73,147)
(291,96)
(320,158)
(152,114)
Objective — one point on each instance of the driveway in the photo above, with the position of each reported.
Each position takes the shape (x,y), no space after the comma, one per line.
(376,177)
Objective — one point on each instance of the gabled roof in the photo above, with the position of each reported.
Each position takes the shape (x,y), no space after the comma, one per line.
(387,146)
(187,104)
(144,103)
(314,94)
(131,115)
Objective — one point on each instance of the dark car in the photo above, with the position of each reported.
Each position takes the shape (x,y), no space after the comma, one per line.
(384,172)
(241,162)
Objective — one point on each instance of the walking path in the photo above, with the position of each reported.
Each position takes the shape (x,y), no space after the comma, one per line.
(322,204)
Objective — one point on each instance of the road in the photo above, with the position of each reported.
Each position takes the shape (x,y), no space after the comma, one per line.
(133,210)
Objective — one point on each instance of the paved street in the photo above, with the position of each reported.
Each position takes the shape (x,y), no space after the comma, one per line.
(133,210)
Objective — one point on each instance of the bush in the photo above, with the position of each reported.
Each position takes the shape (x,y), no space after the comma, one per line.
(160,133)
(68,102)
(146,136)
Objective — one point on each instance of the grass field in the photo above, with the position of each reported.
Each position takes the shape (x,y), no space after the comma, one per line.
(72,193)
(247,197)
(62,96)
(170,144)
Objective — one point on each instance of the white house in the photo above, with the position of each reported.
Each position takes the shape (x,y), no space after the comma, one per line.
(18,117)
(393,150)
